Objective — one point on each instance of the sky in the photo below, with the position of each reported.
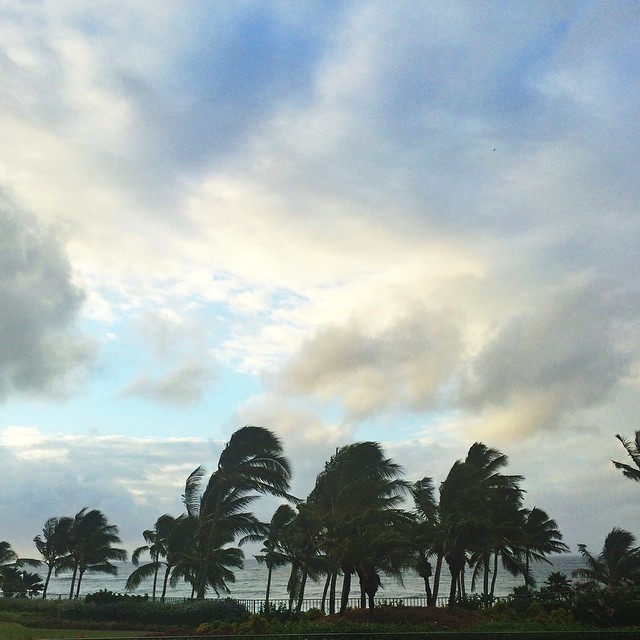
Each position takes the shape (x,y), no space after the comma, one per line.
(410,222)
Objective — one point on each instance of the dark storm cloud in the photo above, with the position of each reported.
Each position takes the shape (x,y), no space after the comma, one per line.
(41,350)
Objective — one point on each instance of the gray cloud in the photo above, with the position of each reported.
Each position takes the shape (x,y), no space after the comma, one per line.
(42,351)
(564,353)
(182,386)
(405,365)
(133,480)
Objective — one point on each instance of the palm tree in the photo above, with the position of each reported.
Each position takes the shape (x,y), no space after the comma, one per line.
(301,546)
(272,553)
(251,463)
(618,563)
(556,582)
(497,539)
(540,537)
(471,498)
(158,540)
(633,450)
(7,555)
(424,535)
(20,584)
(90,547)
(53,544)
(8,559)
(358,492)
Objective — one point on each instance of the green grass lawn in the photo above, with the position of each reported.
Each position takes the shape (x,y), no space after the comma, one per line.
(13,631)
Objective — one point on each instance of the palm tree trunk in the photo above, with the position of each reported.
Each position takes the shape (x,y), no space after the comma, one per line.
(303,585)
(495,575)
(332,592)
(155,584)
(325,591)
(486,561)
(346,588)
(46,582)
(80,575)
(164,583)
(73,580)
(436,581)
(266,597)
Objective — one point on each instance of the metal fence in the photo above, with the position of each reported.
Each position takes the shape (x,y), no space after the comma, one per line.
(257,605)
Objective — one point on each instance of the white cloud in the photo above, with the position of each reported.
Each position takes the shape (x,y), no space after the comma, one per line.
(386,210)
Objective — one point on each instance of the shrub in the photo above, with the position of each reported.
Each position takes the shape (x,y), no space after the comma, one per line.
(607,607)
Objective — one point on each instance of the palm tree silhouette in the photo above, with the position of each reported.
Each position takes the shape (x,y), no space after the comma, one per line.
(89,544)
(633,450)
(618,563)
(53,544)
(272,553)
(358,493)
(251,463)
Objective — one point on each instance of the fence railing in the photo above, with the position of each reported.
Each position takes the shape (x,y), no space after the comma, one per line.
(257,605)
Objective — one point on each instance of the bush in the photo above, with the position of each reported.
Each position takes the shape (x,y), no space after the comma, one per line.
(134,612)
(607,607)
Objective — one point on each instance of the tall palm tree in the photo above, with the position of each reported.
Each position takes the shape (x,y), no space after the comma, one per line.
(633,451)
(53,544)
(497,539)
(540,537)
(424,536)
(618,563)
(90,547)
(251,463)
(469,499)
(301,545)
(357,491)
(157,540)
(272,553)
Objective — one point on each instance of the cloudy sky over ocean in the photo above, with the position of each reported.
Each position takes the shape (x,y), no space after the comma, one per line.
(410,222)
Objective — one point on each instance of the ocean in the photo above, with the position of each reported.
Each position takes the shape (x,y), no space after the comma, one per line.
(251,582)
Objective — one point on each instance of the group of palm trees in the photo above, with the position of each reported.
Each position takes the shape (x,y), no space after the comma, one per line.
(361,519)
(69,544)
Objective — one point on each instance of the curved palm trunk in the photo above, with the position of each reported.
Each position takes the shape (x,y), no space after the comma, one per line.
(73,581)
(303,585)
(165,582)
(46,582)
(332,592)
(427,590)
(80,575)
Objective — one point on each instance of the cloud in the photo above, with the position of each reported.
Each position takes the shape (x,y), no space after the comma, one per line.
(560,355)
(404,366)
(177,366)
(183,386)
(133,480)
(43,352)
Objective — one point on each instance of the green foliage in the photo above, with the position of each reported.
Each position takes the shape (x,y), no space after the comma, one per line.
(128,611)
(280,612)
(607,607)
(107,597)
